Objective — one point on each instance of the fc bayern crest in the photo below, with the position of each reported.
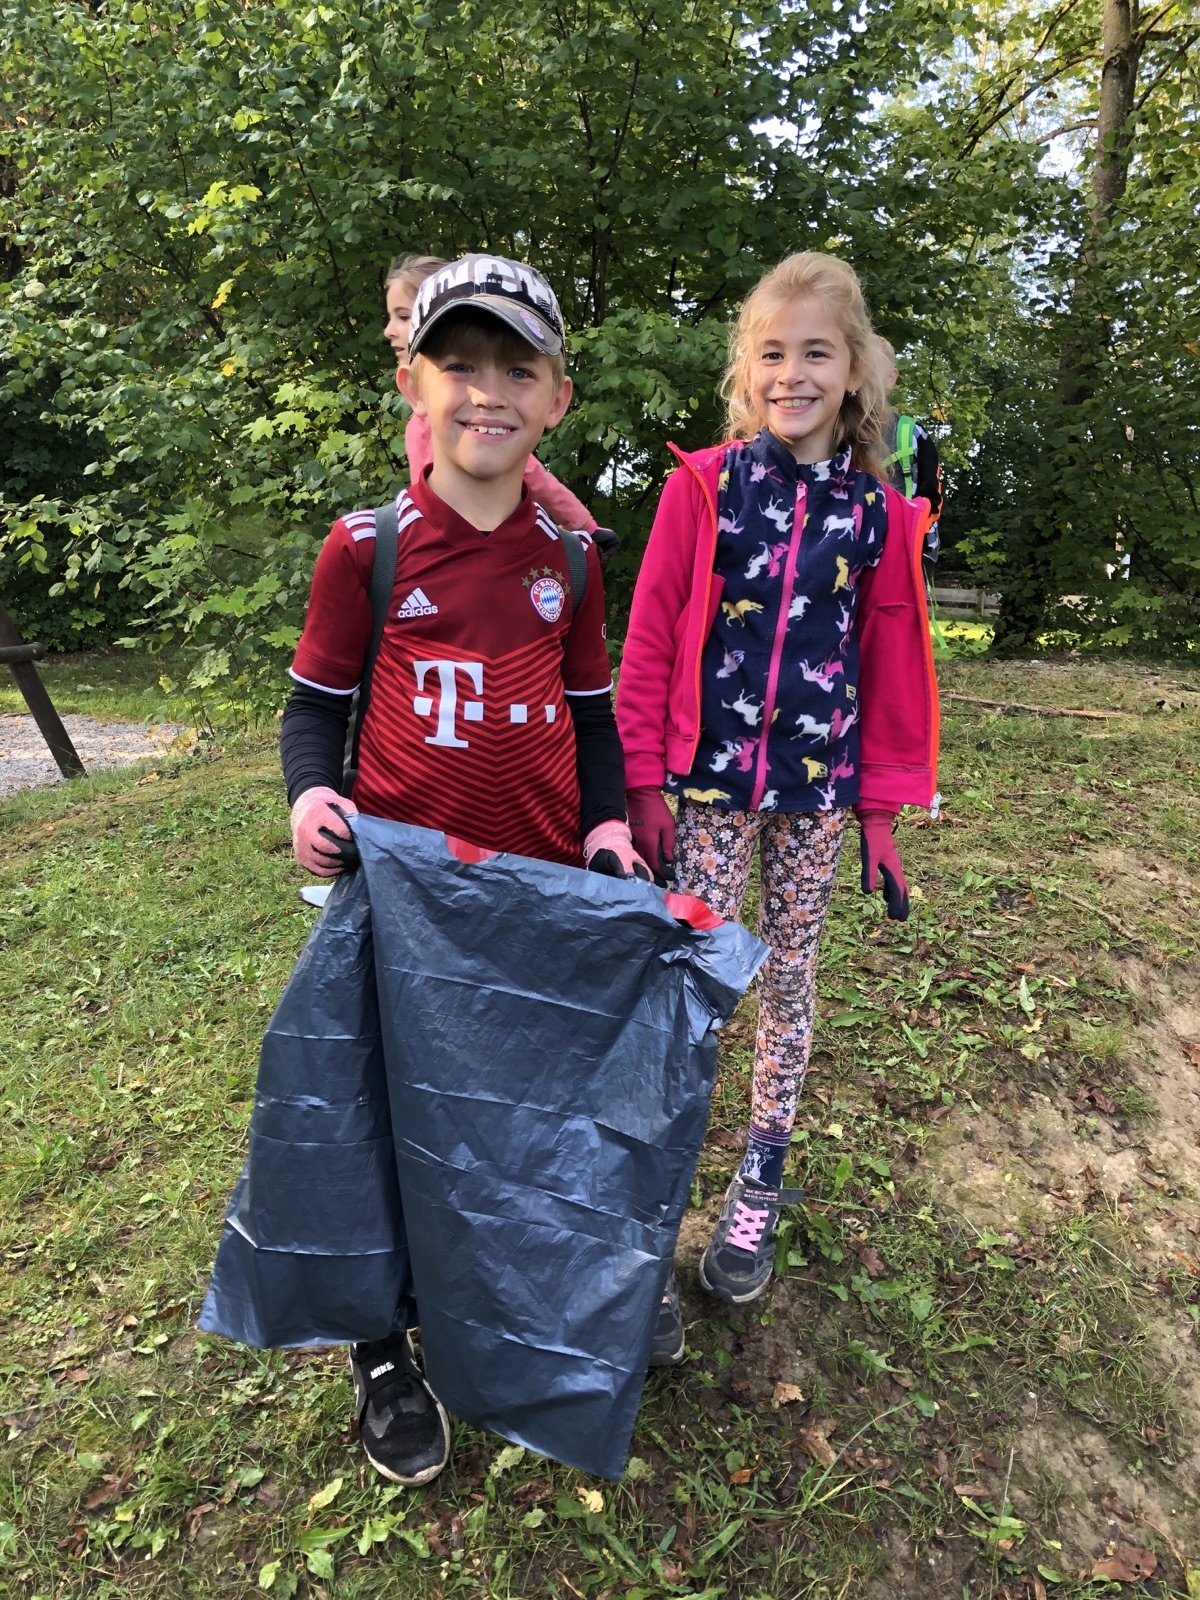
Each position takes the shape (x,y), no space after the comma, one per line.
(548,598)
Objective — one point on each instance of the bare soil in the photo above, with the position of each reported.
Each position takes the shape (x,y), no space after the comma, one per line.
(26,763)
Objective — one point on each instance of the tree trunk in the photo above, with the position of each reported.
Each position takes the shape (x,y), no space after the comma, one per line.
(1029,589)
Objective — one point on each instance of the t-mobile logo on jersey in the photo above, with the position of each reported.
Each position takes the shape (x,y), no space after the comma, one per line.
(448,702)
(447,706)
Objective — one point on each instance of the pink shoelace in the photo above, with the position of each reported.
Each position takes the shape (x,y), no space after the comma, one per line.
(748,1225)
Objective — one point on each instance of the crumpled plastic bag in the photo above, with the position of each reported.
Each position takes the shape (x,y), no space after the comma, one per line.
(479,1107)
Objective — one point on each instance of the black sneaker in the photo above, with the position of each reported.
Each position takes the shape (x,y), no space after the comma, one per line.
(402,1423)
(737,1264)
(667,1349)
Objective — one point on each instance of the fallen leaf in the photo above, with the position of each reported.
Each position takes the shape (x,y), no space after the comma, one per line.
(111,1489)
(729,1141)
(871,1260)
(786,1394)
(529,1493)
(813,1440)
(941,1468)
(325,1496)
(76,1374)
(1113,1506)
(1036,1584)
(938,1112)
(1128,1563)
(742,1475)
(671,1571)
(987,1458)
(1191,1051)
(191,1522)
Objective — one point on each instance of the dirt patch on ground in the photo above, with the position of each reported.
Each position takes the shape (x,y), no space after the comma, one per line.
(1019,1167)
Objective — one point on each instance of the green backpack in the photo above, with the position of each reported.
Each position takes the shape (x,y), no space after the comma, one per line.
(905,454)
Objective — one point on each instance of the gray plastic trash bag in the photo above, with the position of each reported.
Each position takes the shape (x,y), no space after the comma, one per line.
(548,1042)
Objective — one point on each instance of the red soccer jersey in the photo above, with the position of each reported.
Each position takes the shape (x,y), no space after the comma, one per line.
(467,730)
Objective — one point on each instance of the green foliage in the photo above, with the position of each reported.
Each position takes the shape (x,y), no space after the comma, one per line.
(196,205)
(203,200)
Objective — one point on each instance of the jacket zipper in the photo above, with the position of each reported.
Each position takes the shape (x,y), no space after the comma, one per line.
(712,511)
(781,622)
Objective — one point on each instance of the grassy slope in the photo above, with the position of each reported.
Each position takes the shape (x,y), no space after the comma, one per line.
(112,685)
(147,930)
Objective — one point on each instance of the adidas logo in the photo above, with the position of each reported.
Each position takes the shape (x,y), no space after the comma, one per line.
(417,605)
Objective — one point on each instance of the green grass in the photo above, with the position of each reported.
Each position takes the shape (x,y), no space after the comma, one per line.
(146,931)
(112,685)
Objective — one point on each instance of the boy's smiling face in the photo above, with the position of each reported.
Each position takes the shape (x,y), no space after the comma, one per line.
(486,410)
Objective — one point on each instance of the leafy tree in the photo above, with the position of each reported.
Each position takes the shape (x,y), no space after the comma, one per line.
(1080,495)
(208,194)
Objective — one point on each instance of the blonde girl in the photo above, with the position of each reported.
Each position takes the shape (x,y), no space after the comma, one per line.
(777,675)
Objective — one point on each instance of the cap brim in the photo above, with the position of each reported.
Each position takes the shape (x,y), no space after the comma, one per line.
(537,333)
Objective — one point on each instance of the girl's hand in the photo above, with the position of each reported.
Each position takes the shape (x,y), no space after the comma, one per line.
(880,858)
(653,829)
(321,835)
(608,848)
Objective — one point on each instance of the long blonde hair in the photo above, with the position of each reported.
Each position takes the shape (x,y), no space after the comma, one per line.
(863,419)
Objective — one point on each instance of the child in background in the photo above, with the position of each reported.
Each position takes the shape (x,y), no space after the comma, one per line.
(490,715)
(777,673)
(404,277)
(911,459)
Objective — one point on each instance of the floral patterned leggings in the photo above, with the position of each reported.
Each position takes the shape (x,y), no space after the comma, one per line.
(798,856)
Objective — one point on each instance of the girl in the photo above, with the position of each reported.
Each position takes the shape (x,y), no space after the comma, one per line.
(404,277)
(776,674)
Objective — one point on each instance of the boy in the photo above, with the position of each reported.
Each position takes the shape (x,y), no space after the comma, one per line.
(490,712)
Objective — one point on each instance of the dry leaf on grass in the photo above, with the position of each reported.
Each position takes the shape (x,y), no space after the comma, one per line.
(728,1141)
(1129,1563)
(814,1441)
(871,1260)
(105,1493)
(785,1394)
(191,1522)
(742,1475)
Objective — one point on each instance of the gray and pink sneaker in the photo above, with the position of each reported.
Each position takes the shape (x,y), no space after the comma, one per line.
(737,1264)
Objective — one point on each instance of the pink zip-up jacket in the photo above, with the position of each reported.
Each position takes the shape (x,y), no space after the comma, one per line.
(676,600)
(553,496)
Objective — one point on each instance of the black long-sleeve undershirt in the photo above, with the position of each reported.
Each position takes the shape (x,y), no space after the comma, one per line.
(312,746)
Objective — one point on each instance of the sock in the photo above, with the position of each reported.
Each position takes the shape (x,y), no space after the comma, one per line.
(763,1162)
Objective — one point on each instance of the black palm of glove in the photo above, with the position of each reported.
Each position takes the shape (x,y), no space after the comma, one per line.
(608,863)
(346,849)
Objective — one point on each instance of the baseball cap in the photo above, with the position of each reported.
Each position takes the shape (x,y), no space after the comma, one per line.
(516,294)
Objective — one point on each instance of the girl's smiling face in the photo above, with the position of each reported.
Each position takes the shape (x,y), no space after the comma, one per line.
(799,378)
(399,297)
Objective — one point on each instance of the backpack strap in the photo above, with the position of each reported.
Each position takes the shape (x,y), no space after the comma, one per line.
(906,453)
(576,568)
(383,580)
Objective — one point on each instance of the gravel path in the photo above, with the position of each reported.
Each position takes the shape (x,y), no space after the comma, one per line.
(25,762)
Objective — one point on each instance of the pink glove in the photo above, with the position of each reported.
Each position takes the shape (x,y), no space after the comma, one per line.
(880,857)
(318,823)
(609,849)
(653,829)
